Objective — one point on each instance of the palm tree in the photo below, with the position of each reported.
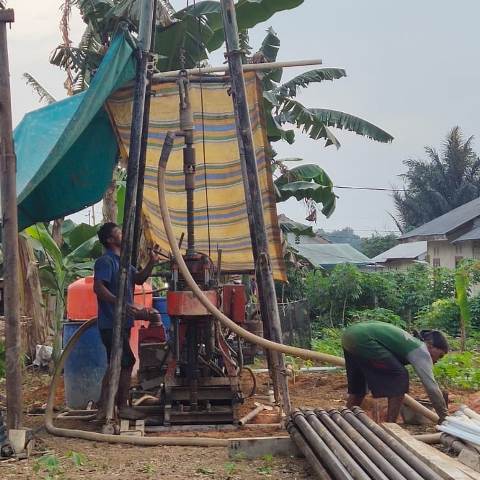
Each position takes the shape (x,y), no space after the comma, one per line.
(440,183)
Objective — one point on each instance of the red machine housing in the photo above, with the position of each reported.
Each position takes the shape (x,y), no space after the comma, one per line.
(234,300)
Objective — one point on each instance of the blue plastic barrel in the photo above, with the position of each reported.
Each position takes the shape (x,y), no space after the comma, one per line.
(160,304)
(84,367)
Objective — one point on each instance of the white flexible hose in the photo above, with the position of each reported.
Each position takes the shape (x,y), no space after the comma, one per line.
(250,337)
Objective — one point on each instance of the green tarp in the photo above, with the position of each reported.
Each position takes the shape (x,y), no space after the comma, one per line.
(66,151)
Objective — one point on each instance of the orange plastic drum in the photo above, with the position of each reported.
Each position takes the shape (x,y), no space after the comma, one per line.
(82,301)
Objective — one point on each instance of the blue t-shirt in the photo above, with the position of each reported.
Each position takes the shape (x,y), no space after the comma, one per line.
(106,270)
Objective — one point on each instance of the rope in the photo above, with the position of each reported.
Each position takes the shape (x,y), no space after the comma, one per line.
(199,40)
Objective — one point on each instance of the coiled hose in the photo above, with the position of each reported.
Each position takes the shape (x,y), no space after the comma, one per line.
(101,437)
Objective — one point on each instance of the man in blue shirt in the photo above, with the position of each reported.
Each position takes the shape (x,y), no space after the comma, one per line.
(106,288)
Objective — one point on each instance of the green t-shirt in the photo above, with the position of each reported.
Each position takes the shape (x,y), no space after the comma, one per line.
(372,340)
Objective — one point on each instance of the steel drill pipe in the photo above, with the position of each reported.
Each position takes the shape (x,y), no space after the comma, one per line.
(359,417)
(388,453)
(369,458)
(336,447)
(328,458)
(307,452)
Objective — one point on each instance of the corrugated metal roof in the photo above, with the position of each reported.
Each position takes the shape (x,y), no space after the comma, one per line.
(473,234)
(403,251)
(447,222)
(331,254)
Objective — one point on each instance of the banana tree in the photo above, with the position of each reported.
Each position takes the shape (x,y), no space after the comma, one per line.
(282,109)
(182,38)
(59,266)
(309,183)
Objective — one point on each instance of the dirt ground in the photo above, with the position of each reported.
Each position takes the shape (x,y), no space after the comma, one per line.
(104,461)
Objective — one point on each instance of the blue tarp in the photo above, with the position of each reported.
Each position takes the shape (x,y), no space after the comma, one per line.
(66,151)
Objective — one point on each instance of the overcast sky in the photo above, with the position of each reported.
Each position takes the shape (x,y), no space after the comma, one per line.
(413,69)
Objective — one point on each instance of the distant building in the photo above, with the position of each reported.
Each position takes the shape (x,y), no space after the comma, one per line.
(402,256)
(329,255)
(450,237)
(297,233)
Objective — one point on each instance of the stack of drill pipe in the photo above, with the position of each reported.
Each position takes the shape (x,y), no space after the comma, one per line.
(347,444)
(464,425)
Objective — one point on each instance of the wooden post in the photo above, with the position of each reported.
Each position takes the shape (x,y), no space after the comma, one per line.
(137,233)
(253,198)
(144,38)
(8,189)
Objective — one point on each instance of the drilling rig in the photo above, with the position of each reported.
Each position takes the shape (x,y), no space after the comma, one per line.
(193,368)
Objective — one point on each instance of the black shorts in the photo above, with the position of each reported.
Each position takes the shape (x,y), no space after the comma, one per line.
(385,377)
(128,358)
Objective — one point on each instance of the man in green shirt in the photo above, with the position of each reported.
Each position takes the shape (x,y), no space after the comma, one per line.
(375,357)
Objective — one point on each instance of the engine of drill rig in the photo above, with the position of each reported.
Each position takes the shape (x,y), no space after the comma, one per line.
(193,369)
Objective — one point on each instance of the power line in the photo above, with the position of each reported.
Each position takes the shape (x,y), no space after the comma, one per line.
(375,189)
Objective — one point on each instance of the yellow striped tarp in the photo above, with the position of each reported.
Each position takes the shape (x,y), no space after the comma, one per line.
(220,211)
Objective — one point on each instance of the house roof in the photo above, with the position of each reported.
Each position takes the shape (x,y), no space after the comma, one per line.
(403,251)
(473,234)
(331,254)
(446,223)
(299,229)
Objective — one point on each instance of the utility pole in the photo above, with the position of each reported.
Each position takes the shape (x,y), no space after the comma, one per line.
(8,171)
(144,39)
(253,199)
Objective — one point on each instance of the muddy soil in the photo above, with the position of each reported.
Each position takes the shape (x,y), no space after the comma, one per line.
(97,461)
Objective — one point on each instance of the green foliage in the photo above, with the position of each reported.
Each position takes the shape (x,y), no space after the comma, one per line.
(415,291)
(379,315)
(460,370)
(376,244)
(345,286)
(315,122)
(439,183)
(307,182)
(474,305)
(230,468)
(294,289)
(78,459)
(443,282)
(61,266)
(461,289)
(443,314)
(327,340)
(2,360)
(50,465)
(379,289)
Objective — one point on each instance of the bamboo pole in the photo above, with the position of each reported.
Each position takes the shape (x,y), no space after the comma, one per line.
(137,233)
(144,38)
(10,236)
(253,199)
(249,67)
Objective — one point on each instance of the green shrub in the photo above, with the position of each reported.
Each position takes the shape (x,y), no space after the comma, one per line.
(328,340)
(460,370)
(443,314)
(2,360)
(475,312)
(379,315)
